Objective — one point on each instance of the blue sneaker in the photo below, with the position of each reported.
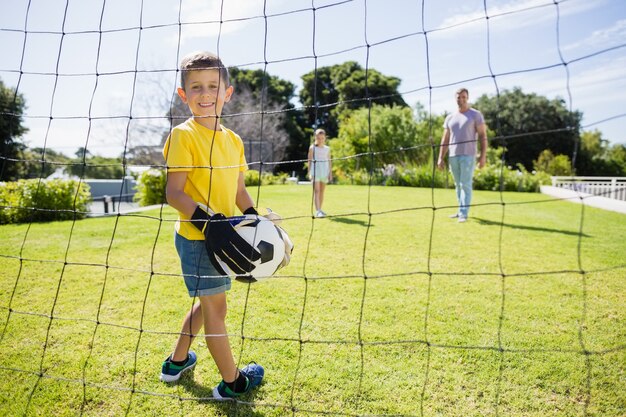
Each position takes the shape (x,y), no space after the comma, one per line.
(171,372)
(254,376)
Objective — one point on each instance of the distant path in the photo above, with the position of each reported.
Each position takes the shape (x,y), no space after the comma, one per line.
(587,199)
(96,209)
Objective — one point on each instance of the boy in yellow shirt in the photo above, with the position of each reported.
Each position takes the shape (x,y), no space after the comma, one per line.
(206,165)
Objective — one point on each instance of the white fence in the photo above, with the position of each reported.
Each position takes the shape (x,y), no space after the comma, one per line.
(610,187)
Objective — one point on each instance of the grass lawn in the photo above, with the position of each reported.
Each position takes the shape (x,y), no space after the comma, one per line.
(387,308)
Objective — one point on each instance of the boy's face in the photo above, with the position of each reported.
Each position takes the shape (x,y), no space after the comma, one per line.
(205,94)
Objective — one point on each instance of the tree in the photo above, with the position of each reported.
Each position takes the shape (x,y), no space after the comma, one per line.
(526,124)
(12,107)
(598,157)
(261,130)
(390,133)
(616,157)
(264,99)
(558,165)
(330,91)
(42,162)
(86,165)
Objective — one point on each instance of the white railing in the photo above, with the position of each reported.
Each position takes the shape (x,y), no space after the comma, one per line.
(610,187)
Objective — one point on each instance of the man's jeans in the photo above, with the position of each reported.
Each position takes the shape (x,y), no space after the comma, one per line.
(462,167)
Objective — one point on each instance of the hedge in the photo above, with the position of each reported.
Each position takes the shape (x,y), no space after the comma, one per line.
(43,200)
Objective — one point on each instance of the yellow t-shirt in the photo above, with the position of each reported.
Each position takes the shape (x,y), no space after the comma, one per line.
(213,160)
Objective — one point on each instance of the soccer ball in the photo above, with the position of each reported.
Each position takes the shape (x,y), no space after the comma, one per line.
(267,238)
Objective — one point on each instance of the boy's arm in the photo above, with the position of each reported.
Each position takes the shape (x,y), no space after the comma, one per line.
(243,200)
(176,196)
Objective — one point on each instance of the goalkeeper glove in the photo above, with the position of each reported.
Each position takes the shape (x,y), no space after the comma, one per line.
(223,241)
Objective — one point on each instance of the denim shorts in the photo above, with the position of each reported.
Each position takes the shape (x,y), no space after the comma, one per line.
(201,277)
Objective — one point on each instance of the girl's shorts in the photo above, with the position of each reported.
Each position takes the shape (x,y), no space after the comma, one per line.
(201,277)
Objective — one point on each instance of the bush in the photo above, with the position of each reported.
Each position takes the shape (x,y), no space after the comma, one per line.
(493,178)
(252,178)
(394,175)
(418,176)
(497,177)
(151,188)
(43,200)
(358,177)
(559,165)
(487,178)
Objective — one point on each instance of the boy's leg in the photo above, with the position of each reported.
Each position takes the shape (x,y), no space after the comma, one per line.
(200,276)
(192,324)
(214,317)
(182,359)
(234,382)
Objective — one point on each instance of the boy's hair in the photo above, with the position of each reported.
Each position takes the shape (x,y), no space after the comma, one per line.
(462,90)
(197,61)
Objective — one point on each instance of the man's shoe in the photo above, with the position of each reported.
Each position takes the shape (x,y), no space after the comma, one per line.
(462,219)
(254,376)
(454,216)
(171,372)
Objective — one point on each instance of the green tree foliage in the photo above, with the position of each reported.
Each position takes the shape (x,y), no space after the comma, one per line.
(558,165)
(617,157)
(95,167)
(391,133)
(41,163)
(429,127)
(598,158)
(330,91)
(12,107)
(526,124)
(271,88)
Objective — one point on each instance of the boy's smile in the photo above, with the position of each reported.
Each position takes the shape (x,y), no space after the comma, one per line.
(205,94)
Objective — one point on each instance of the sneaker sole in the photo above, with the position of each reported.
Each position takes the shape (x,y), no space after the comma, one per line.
(174,378)
(217,396)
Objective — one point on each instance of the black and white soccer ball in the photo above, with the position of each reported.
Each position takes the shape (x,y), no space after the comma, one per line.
(267,238)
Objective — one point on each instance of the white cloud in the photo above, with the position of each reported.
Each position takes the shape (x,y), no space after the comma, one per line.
(603,38)
(205,17)
(536,8)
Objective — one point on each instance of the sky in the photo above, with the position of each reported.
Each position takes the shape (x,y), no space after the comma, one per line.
(93,72)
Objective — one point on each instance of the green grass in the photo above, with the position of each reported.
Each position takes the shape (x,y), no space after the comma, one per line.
(387,308)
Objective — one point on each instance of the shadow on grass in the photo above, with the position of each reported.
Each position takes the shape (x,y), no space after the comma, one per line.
(347,220)
(243,406)
(525,227)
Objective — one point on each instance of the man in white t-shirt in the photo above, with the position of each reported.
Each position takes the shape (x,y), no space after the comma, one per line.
(462,130)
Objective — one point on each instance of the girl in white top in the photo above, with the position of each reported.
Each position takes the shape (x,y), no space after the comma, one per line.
(320,169)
